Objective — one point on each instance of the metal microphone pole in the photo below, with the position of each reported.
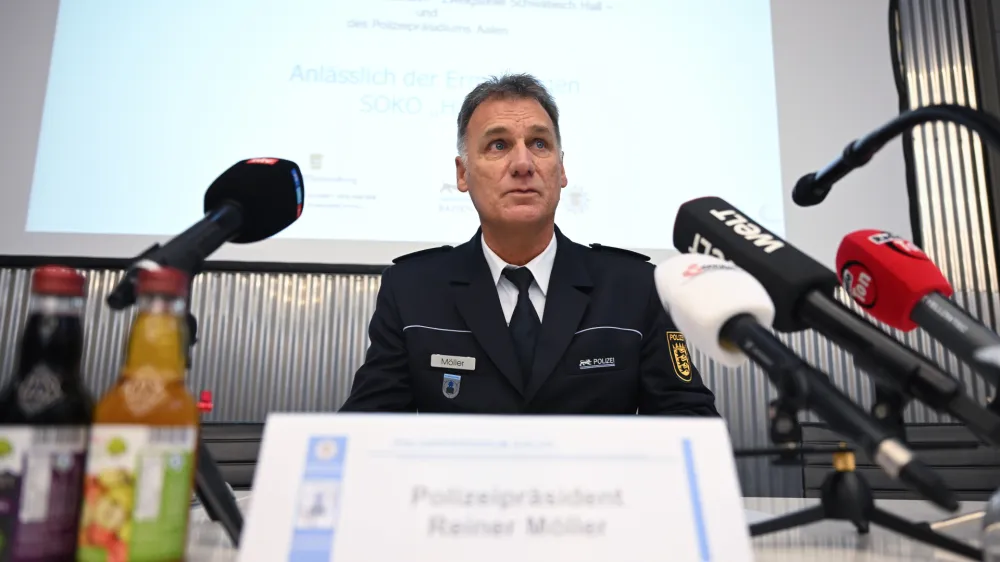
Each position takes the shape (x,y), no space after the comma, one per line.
(210,486)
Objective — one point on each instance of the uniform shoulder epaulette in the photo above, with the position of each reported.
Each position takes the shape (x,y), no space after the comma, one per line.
(423,252)
(630,253)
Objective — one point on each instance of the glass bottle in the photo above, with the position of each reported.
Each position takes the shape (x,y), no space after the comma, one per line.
(141,464)
(45,412)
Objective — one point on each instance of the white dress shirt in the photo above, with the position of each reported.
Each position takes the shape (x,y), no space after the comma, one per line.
(541,270)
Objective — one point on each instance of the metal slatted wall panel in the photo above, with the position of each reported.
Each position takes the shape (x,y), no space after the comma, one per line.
(950,172)
(292,342)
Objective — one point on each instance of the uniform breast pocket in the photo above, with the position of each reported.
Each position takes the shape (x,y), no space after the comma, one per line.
(603,351)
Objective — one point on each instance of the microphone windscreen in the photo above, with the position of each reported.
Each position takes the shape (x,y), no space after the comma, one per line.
(702,293)
(709,225)
(887,275)
(269,192)
(806,193)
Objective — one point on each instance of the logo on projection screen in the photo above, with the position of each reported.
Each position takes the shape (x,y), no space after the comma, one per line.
(452,201)
(316,161)
(576,200)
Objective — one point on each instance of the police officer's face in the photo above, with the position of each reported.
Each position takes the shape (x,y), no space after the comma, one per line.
(514,170)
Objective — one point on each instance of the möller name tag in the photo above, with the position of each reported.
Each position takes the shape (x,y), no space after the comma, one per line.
(453,362)
(362,487)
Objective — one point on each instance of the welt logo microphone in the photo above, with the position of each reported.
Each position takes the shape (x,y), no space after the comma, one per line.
(712,226)
(740,225)
(895,282)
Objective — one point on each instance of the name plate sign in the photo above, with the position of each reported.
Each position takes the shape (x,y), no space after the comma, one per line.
(362,487)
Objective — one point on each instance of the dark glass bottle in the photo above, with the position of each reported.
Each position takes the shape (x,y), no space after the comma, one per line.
(45,414)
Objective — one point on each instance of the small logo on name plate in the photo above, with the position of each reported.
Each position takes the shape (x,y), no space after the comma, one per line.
(326,450)
(450,385)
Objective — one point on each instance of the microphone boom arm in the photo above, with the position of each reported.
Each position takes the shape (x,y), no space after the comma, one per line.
(811,189)
(186,251)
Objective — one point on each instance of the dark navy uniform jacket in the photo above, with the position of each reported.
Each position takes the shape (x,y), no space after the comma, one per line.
(440,343)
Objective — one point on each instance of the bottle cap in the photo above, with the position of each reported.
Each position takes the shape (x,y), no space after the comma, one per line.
(205,402)
(163,281)
(57,280)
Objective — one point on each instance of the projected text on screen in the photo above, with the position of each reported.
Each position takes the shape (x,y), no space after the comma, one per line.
(660,102)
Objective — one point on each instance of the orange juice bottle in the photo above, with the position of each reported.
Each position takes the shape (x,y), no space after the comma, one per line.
(141,461)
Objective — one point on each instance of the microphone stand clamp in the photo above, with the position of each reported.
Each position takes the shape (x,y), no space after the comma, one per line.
(785,430)
(888,407)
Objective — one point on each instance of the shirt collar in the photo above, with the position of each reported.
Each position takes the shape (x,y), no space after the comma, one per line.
(540,267)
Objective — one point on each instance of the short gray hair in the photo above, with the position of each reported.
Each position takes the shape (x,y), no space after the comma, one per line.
(524,86)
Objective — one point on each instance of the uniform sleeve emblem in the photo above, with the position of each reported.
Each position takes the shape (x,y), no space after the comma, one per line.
(679,356)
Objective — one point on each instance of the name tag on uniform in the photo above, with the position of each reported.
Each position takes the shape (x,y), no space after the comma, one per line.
(453,362)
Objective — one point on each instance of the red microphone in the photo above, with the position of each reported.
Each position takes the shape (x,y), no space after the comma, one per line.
(888,276)
(899,285)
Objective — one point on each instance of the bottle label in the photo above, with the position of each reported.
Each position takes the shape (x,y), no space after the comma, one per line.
(138,493)
(41,477)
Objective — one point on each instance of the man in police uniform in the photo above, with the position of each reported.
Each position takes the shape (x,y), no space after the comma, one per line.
(520,319)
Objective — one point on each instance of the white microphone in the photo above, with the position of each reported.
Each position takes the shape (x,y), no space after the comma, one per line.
(723,310)
(714,291)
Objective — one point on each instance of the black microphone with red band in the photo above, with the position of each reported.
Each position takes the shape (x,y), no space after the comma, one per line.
(254,199)
(268,193)
(897,284)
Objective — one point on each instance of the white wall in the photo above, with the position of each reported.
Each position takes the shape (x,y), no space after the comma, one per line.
(835,84)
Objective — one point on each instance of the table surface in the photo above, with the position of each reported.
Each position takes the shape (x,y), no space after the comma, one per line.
(826,541)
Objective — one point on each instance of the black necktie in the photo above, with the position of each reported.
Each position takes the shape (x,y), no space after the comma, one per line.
(524,323)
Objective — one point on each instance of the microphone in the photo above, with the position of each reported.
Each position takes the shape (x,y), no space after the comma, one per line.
(722,310)
(802,291)
(812,189)
(252,200)
(895,282)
